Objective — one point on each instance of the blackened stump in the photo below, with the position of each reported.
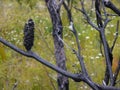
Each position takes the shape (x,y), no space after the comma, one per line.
(28,34)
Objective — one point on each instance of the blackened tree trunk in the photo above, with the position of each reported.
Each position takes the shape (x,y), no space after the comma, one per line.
(54,10)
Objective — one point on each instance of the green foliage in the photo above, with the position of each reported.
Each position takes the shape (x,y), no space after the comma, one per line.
(28,73)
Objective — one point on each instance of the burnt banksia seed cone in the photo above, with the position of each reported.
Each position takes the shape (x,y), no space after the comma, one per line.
(28,34)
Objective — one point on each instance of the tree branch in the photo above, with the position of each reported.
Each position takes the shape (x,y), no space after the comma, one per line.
(77,77)
(107,57)
(87,18)
(98,13)
(110,5)
(107,51)
(60,3)
(54,11)
(78,54)
(39,59)
(116,36)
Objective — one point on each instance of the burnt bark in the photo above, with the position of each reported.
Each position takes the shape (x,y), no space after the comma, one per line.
(107,50)
(110,5)
(54,10)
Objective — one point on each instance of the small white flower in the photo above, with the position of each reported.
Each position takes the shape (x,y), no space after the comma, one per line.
(92,74)
(92,9)
(83,31)
(41,21)
(113,17)
(87,37)
(91,57)
(72,42)
(92,29)
(99,54)
(77,63)
(108,25)
(84,56)
(114,34)
(46,27)
(85,87)
(71,26)
(12,32)
(91,42)
(112,25)
(81,87)
(14,38)
(79,34)
(39,43)
(85,2)
(97,57)
(66,35)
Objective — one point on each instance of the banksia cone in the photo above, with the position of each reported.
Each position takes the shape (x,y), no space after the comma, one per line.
(29,34)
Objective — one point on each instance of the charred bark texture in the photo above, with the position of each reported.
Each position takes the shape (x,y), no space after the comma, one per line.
(110,5)
(103,40)
(54,11)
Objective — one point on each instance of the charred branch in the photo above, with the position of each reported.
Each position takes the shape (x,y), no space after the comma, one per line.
(54,10)
(101,28)
(110,5)
(87,18)
(107,51)
(39,59)
(76,77)
(78,54)
(116,36)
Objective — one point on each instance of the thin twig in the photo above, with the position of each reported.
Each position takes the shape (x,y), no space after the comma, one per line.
(87,17)
(112,15)
(116,36)
(43,38)
(69,47)
(107,20)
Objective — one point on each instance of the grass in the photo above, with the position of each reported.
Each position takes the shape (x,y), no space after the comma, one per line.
(28,73)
